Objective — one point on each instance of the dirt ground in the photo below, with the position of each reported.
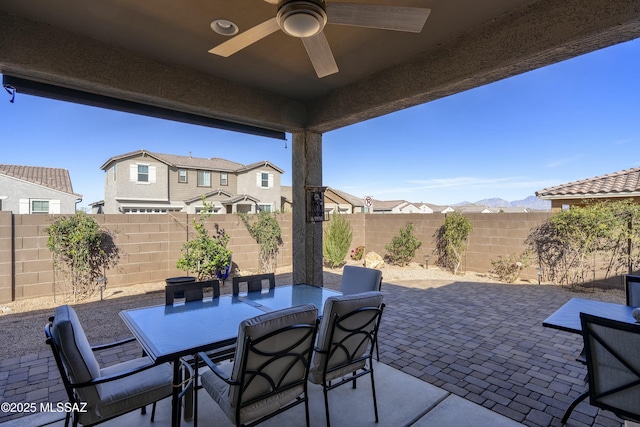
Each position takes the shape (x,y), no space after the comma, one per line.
(22,322)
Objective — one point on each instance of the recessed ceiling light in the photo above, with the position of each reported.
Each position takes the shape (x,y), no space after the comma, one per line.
(224,27)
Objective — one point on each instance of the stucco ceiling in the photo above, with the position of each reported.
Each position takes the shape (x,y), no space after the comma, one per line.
(156,52)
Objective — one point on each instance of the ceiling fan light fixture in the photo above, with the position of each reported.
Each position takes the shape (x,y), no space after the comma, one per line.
(302,18)
(224,27)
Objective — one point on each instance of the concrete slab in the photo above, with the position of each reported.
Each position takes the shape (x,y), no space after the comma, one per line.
(456,411)
(402,401)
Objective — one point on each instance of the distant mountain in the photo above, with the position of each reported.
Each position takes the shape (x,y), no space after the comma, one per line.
(495,203)
(531,202)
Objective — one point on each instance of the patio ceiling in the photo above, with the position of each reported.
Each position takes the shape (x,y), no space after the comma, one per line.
(156,53)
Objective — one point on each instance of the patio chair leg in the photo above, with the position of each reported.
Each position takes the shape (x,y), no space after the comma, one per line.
(326,405)
(153,411)
(306,408)
(143,410)
(373,391)
(573,405)
(354,380)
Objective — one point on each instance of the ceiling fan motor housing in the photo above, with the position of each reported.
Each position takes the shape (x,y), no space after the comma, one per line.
(302,18)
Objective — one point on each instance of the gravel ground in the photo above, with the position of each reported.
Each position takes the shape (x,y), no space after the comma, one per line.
(22,322)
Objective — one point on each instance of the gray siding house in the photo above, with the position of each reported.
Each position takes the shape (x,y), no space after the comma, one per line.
(36,190)
(147,182)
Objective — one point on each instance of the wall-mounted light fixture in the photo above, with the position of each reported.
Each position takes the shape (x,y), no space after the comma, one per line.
(315,203)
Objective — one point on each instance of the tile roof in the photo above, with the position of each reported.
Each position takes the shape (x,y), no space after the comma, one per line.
(625,182)
(214,163)
(55,178)
(355,201)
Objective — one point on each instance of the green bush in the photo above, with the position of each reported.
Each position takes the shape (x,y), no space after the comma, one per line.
(508,269)
(205,255)
(451,241)
(337,240)
(265,229)
(402,248)
(81,250)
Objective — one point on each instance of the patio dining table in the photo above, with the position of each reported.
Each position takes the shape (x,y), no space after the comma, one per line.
(567,318)
(169,332)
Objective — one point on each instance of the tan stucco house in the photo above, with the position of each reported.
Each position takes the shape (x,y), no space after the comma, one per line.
(36,190)
(614,186)
(148,182)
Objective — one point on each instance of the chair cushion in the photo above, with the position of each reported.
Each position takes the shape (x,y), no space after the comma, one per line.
(132,392)
(356,280)
(76,353)
(256,327)
(340,305)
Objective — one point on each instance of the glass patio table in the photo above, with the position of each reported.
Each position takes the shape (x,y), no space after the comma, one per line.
(169,332)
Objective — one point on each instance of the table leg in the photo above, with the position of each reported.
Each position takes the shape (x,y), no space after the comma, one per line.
(175,395)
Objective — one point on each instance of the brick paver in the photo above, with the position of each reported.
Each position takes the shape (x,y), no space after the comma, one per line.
(481,341)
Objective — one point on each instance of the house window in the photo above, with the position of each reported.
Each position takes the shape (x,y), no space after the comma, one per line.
(204,179)
(143,173)
(40,206)
(182,175)
(264,180)
(265,208)
(224,179)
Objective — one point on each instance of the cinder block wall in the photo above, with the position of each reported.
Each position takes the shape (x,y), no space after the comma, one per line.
(493,235)
(150,244)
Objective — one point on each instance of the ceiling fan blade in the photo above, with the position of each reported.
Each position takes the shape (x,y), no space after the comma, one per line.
(320,54)
(247,38)
(272,1)
(410,19)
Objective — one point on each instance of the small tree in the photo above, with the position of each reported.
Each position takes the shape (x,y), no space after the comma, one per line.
(337,240)
(402,248)
(205,255)
(81,250)
(451,241)
(265,230)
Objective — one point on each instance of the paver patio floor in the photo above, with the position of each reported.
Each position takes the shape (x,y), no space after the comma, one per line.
(483,342)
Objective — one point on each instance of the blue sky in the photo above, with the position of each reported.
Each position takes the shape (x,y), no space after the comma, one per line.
(569,121)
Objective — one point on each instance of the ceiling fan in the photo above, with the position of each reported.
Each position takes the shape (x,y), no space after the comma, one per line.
(305,19)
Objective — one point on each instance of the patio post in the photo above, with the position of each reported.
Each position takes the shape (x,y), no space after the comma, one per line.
(307,236)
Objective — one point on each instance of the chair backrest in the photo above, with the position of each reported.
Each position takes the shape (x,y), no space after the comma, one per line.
(254,282)
(71,349)
(348,330)
(273,355)
(356,280)
(632,290)
(192,291)
(613,366)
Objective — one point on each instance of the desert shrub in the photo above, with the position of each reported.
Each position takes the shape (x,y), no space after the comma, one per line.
(402,247)
(357,253)
(451,241)
(265,230)
(337,240)
(205,255)
(568,244)
(82,251)
(508,269)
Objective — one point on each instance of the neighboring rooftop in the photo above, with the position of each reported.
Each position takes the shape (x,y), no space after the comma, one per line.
(214,163)
(618,184)
(55,178)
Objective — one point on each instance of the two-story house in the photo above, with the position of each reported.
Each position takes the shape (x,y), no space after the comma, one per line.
(147,182)
(36,190)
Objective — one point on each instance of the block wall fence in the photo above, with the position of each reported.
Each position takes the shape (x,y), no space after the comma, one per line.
(150,245)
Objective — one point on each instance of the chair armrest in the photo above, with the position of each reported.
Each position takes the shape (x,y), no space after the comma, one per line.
(114,377)
(219,373)
(111,345)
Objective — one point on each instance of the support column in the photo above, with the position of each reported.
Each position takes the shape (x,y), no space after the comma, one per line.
(307,236)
